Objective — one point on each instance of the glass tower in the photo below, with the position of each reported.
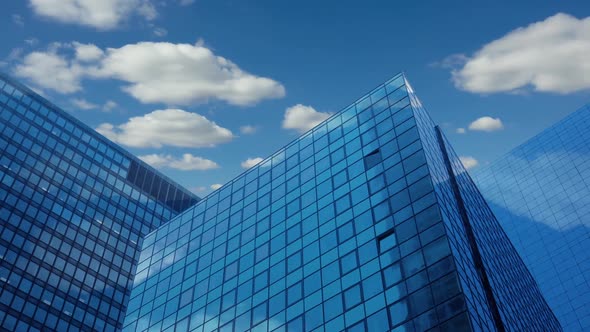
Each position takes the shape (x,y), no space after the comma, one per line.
(74,207)
(540,192)
(368,222)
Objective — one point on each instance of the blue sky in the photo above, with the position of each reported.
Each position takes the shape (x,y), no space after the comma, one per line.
(197,88)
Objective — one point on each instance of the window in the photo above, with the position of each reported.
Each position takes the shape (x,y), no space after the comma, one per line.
(372,159)
(387,241)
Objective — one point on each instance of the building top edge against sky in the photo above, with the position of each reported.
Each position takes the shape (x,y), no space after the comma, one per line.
(520,146)
(540,192)
(166,250)
(101,139)
(74,209)
(396,81)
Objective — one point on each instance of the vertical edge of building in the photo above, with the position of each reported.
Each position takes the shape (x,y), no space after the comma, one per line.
(491,270)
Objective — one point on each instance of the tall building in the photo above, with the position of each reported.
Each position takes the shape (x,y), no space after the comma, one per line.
(540,193)
(74,207)
(368,222)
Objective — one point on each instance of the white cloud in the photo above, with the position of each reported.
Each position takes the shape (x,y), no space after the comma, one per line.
(550,56)
(460,130)
(31,41)
(14,55)
(160,32)
(452,61)
(87,52)
(216,186)
(51,71)
(18,20)
(147,10)
(171,127)
(83,104)
(178,74)
(248,129)
(102,14)
(486,123)
(302,118)
(468,162)
(109,106)
(250,162)
(184,74)
(188,162)
(198,189)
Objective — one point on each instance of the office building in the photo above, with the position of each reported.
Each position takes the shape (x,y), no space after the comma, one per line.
(73,210)
(540,193)
(368,222)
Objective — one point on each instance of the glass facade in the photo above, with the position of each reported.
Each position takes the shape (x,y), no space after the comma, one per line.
(540,192)
(366,223)
(73,210)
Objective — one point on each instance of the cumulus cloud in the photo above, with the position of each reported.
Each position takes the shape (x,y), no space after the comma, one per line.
(178,74)
(460,130)
(216,186)
(486,123)
(172,127)
(302,118)
(103,14)
(549,56)
(248,129)
(87,52)
(468,162)
(250,162)
(187,162)
(51,71)
(184,74)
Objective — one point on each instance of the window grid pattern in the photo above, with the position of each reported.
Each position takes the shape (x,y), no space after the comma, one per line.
(71,222)
(521,305)
(293,244)
(540,192)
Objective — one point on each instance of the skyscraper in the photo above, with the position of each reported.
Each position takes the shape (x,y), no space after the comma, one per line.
(540,193)
(74,207)
(367,222)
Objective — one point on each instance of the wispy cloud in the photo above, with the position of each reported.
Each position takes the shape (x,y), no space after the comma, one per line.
(250,162)
(468,162)
(248,129)
(83,104)
(18,20)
